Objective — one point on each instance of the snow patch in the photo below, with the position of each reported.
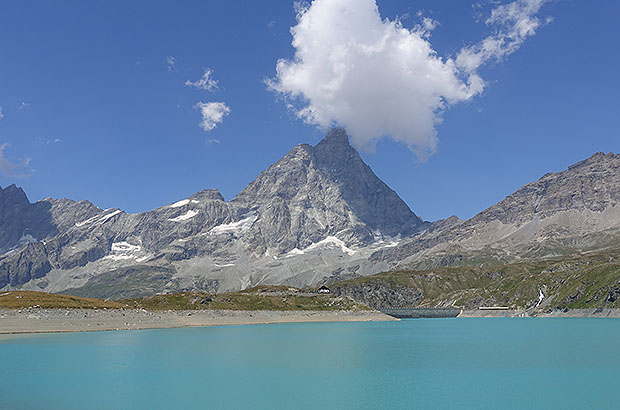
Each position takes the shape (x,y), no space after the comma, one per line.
(235,227)
(98,218)
(331,241)
(294,252)
(108,216)
(86,222)
(122,251)
(179,204)
(187,215)
(541,296)
(226,265)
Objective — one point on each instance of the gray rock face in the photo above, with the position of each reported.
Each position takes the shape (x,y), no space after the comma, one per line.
(22,222)
(20,267)
(589,185)
(326,190)
(380,294)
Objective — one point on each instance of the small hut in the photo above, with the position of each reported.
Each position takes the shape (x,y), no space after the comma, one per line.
(323,289)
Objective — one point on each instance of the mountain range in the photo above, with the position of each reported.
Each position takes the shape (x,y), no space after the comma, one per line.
(317,215)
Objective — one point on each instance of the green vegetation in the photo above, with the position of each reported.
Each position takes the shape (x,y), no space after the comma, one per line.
(258,298)
(131,282)
(573,281)
(23,299)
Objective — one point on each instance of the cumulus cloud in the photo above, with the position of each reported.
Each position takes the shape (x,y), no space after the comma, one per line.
(212,114)
(206,82)
(379,79)
(171,62)
(12,169)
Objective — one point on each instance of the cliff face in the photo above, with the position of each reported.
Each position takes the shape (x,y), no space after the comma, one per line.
(20,221)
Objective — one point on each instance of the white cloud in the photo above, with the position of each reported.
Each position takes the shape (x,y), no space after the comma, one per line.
(212,114)
(23,105)
(14,169)
(171,62)
(515,22)
(1,114)
(212,141)
(377,78)
(206,82)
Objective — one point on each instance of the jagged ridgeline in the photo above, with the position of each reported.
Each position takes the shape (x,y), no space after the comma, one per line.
(317,215)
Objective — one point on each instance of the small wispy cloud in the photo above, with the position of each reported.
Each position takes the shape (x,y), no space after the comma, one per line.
(513,22)
(44,141)
(171,62)
(212,141)
(206,82)
(213,113)
(11,169)
(1,113)
(23,105)
(270,26)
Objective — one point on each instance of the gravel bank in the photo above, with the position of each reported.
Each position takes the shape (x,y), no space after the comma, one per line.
(85,320)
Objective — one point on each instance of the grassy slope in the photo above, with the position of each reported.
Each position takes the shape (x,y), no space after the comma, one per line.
(258,298)
(574,281)
(25,299)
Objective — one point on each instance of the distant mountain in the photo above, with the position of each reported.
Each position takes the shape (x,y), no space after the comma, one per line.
(318,214)
(576,209)
(316,202)
(321,191)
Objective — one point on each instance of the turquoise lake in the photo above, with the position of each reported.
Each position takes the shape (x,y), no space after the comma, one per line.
(412,364)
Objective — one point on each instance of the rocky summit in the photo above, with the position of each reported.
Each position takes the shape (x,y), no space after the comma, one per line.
(318,214)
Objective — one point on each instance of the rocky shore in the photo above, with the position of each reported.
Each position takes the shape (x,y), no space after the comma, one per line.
(34,320)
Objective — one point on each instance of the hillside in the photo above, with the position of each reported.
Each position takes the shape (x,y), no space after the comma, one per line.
(29,299)
(590,280)
(258,298)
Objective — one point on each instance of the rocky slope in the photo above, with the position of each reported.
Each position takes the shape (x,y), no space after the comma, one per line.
(576,209)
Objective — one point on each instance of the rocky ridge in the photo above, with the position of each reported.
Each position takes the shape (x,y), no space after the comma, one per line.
(306,216)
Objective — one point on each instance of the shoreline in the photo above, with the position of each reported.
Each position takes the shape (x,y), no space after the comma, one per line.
(37,321)
(572,313)
(41,321)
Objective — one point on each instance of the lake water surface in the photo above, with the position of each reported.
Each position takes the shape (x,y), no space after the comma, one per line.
(412,364)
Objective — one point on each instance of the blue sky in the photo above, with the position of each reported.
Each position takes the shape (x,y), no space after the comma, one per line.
(92,109)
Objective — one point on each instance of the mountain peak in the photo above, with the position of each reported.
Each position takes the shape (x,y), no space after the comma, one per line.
(597,157)
(336,136)
(14,194)
(320,191)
